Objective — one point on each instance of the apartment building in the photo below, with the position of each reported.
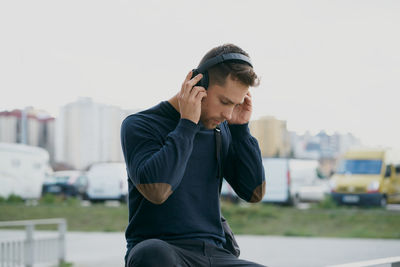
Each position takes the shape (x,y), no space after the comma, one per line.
(89,132)
(272,136)
(28,126)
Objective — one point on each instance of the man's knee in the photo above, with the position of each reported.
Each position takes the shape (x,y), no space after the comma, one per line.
(152,252)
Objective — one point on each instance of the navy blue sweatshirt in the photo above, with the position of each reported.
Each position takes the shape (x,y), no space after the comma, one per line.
(172,174)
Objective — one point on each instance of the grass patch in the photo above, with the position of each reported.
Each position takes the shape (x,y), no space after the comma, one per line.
(324,219)
(327,203)
(296,233)
(66,264)
(96,217)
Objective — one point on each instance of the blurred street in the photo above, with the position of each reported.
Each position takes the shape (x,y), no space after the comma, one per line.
(85,249)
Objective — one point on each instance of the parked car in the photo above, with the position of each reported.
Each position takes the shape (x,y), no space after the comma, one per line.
(66,183)
(23,169)
(107,181)
(306,185)
(317,191)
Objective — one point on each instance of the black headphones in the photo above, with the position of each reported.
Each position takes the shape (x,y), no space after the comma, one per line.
(236,57)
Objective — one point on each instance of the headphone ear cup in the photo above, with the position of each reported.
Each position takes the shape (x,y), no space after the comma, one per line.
(204,81)
(195,73)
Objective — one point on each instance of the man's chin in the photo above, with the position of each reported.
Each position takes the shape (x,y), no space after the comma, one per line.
(210,124)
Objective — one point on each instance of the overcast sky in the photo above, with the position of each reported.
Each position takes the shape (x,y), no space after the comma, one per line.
(332,65)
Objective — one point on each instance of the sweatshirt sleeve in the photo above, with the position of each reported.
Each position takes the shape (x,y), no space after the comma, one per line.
(243,168)
(156,164)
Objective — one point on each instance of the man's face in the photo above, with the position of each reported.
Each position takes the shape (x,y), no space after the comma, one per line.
(220,102)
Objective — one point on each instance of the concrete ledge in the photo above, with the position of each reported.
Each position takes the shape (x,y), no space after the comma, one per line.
(394,261)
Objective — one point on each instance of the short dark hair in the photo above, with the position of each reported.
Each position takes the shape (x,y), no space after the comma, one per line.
(238,71)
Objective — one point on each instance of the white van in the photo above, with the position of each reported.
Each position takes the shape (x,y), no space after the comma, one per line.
(23,170)
(277,180)
(107,181)
(288,181)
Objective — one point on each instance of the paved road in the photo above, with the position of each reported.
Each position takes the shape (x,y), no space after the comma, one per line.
(299,251)
(107,249)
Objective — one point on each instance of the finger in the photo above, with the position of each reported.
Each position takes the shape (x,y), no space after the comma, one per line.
(196,90)
(194,80)
(247,103)
(200,95)
(188,77)
(199,89)
(247,98)
(191,84)
(197,94)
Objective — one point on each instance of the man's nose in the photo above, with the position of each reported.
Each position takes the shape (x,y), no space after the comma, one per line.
(227,114)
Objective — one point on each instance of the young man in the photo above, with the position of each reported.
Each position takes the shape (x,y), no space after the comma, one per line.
(170,154)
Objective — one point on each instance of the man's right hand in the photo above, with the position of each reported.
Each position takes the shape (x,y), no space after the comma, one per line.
(190,97)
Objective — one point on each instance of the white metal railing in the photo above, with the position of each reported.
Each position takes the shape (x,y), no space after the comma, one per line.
(28,251)
(393,261)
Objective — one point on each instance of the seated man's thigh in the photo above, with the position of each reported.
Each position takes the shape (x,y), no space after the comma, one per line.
(152,252)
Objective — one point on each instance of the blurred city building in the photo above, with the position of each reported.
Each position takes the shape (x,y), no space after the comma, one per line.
(28,126)
(276,141)
(88,132)
(272,136)
(323,147)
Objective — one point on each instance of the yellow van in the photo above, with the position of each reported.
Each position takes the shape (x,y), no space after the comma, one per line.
(370,177)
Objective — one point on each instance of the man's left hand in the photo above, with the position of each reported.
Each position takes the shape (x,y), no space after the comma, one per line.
(241,113)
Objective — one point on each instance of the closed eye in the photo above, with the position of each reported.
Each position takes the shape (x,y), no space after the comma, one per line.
(227,102)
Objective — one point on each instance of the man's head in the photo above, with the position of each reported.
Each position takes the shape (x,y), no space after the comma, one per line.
(229,83)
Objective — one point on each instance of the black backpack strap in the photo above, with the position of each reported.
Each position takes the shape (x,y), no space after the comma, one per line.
(218,148)
(230,244)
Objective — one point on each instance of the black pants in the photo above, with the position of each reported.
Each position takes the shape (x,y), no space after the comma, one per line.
(155,252)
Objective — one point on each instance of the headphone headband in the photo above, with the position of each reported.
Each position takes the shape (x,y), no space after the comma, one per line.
(216,60)
(222,58)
